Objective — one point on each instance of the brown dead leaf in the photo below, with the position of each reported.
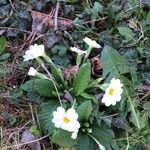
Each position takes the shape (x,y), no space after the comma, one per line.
(27,137)
(2,31)
(48,22)
(133,24)
(96,65)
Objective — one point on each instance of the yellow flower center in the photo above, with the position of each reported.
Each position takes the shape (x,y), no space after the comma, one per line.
(111,92)
(66,120)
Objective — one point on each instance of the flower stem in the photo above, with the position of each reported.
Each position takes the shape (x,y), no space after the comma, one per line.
(49,74)
(87,53)
(78,59)
(101,147)
(54,67)
(51,78)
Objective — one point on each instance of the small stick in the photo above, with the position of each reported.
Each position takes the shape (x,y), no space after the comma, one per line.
(127,137)
(113,115)
(56,16)
(17,145)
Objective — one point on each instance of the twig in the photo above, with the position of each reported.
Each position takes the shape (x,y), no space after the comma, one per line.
(7,18)
(17,145)
(10,28)
(143,97)
(127,137)
(1,135)
(90,21)
(51,78)
(56,16)
(32,114)
(113,115)
(144,87)
(33,33)
(24,125)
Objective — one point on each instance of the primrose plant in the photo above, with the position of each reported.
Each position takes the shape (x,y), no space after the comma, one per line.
(70,111)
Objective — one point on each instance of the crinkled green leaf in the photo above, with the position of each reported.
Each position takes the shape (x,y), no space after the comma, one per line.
(104,135)
(63,139)
(45,116)
(121,122)
(84,110)
(89,96)
(85,143)
(41,86)
(82,79)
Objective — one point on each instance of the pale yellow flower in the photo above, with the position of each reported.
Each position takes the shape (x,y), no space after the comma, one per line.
(66,120)
(34,52)
(113,93)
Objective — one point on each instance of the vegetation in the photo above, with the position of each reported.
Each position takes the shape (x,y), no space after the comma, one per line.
(89,57)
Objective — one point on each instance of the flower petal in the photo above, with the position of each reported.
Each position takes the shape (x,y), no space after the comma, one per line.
(74,135)
(80,52)
(91,43)
(72,114)
(32,71)
(34,51)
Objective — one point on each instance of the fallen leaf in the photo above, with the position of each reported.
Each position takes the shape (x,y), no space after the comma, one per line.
(41,20)
(2,31)
(27,137)
(96,65)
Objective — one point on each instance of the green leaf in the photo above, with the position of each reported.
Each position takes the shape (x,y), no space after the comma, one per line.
(57,74)
(135,116)
(113,63)
(45,116)
(104,135)
(82,79)
(85,143)
(4,56)
(15,95)
(63,139)
(121,122)
(146,105)
(144,120)
(88,96)
(54,70)
(34,131)
(41,86)
(9,118)
(97,8)
(2,44)
(126,33)
(2,71)
(148,18)
(84,110)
